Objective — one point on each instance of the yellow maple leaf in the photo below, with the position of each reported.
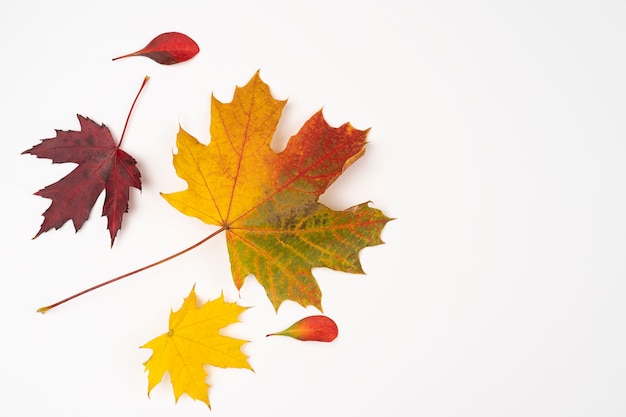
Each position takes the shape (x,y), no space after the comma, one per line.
(193,341)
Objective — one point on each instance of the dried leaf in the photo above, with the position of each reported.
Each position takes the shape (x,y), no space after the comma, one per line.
(192,341)
(315,328)
(266,202)
(102,165)
(168,48)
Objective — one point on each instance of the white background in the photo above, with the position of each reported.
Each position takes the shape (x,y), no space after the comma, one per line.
(497,141)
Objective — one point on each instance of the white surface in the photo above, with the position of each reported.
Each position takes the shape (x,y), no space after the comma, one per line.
(497,141)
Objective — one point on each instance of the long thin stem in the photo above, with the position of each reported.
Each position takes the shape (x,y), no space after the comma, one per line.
(95,287)
(145,80)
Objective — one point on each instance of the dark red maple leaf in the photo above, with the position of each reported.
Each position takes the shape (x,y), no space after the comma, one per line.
(102,165)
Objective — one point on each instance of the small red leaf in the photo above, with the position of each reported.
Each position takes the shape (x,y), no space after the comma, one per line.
(168,48)
(317,328)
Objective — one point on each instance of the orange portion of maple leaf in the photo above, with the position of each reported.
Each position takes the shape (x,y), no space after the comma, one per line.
(193,341)
(267,202)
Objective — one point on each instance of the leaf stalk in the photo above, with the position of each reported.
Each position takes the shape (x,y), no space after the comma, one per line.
(128,274)
(145,80)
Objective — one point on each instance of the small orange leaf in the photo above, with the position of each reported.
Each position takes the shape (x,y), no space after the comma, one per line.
(316,328)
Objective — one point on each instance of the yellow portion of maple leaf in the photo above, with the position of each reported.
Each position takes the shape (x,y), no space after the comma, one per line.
(227,178)
(193,341)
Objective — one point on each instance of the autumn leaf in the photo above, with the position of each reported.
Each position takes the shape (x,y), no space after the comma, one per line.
(267,202)
(102,165)
(192,341)
(167,49)
(313,328)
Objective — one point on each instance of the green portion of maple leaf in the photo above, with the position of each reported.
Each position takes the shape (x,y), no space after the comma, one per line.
(281,254)
(267,202)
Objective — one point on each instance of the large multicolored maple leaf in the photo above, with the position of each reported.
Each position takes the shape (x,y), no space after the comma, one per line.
(267,202)
(192,341)
(102,165)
